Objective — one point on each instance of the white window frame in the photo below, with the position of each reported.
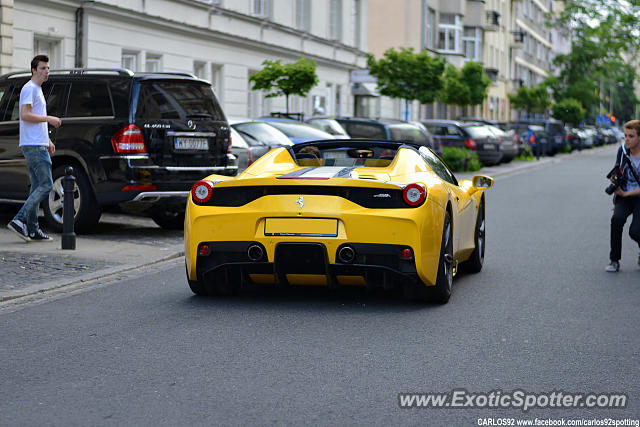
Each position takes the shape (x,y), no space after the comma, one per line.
(448,30)
(153,63)
(200,69)
(476,39)
(335,20)
(50,46)
(261,8)
(129,55)
(303,15)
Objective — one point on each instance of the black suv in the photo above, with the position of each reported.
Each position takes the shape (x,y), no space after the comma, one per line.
(138,140)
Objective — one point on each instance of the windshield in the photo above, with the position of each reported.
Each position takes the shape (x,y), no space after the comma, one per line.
(407,132)
(263,132)
(177,99)
(479,132)
(299,130)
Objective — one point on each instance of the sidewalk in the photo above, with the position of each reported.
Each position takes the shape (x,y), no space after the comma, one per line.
(124,242)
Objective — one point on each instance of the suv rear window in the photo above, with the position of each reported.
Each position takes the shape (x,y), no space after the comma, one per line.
(161,99)
(479,132)
(364,130)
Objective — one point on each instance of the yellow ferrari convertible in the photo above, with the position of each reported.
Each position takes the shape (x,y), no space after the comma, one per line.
(337,213)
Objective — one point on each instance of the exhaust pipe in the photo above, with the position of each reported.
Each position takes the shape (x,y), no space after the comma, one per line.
(255,253)
(346,254)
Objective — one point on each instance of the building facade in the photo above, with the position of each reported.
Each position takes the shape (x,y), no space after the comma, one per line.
(222,41)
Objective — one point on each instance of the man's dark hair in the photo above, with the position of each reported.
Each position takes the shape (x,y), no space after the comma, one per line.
(36,60)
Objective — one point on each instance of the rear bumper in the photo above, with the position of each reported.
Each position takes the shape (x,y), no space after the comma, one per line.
(135,179)
(489,157)
(375,266)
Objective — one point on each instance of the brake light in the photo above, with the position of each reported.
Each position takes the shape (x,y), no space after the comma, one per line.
(532,139)
(139,187)
(202,191)
(470,143)
(229,146)
(129,139)
(250,158)
(414,194)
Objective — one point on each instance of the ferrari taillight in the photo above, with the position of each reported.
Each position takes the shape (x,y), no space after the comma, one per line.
(414,194)
(202,191)
(470,143)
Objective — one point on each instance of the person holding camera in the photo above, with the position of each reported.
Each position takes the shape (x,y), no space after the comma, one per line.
(626,187)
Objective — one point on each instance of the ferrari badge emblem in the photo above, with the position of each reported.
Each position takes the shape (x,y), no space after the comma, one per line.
(300,202)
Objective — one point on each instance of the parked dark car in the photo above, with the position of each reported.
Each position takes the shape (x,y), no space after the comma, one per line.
(329,125)
(474,136)
(385,129)
(139,140)
(295,130)
(496,123)
(557,135)
(508,143)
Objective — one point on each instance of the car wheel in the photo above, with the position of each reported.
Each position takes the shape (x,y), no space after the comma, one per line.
(86,210)
(475,261)
(169,220)
(441,292)
(196,287)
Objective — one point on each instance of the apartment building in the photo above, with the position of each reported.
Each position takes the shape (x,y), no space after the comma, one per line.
(223,41)
(508,36)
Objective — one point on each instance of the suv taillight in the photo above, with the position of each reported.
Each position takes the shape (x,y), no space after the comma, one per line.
(470,143)
(129,139)
(229,146)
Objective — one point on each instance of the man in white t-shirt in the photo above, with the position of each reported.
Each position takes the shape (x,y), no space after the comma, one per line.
(37,149)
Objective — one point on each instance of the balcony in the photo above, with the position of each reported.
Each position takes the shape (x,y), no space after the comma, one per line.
(517,42)
(492,20)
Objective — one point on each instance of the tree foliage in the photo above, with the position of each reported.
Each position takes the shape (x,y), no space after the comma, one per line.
(531,99)
(568,110)
(407,75)
(465,86)
(280,79)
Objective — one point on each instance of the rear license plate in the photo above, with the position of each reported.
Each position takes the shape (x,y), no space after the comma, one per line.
(184,143)
(315,227)
(558,139)
(489,147)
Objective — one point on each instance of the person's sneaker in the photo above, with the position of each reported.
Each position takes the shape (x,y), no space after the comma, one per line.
(20,228)
(613,267)
(40,236)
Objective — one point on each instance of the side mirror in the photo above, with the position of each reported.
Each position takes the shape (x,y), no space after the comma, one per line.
(482,182)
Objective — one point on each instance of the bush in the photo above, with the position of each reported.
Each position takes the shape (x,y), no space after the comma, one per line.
(461,159)
(527,155)
(568,148)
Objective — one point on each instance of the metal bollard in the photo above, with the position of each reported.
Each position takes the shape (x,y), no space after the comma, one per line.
(68,185)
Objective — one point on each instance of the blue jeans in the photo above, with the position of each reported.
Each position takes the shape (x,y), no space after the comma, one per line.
(39,166)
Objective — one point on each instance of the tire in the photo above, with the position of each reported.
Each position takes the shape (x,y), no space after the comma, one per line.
(169,220)
(475,261)
(441,292)
(86,209)
(196,287)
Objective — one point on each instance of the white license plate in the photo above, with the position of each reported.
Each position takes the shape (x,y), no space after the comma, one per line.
(182,143)
(558,139)
(489,147)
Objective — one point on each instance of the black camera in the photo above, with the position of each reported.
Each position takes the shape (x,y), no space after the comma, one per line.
(617,177)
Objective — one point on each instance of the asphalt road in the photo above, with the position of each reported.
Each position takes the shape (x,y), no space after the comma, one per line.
(543,315)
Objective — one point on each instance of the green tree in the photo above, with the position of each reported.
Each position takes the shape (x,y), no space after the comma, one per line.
(407,75)
(465,86)
(568,111)
(280,79)
(531,99)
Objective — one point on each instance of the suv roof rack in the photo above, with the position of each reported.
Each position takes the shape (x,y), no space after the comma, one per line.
(118,71)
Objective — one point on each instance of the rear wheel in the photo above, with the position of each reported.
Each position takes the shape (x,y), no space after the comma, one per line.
(441,292)
(169,220)
(475,261)
(86,210)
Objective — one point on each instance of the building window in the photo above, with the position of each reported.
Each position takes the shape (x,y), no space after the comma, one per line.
(50,47)
(431,28)
(153,64)
(200,69)
(472,43)
(335,19)
(303,15)
(130,61)
(357,23)
(449,33)
(261,8)
(217,80)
